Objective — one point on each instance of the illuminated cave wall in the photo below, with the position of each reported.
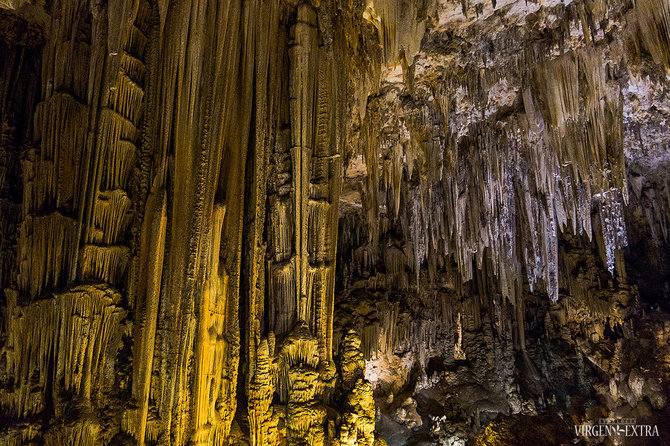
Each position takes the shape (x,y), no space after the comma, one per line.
(332,222)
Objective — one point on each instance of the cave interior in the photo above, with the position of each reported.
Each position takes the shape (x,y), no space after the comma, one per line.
(334,222)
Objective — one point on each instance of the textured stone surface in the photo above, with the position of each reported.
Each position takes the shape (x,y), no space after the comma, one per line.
(334,222)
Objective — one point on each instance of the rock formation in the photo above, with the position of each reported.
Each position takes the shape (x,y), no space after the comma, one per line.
(333,222)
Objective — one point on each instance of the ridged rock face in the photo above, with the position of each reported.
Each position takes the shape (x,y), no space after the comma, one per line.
(335,222)
(503,247)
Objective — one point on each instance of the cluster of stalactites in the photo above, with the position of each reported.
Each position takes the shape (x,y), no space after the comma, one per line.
(59,346)
(389,328)
(400,26)
(470,188)
(75,180)
(67,317)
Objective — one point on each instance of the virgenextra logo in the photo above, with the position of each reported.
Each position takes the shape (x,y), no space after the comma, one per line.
(616,427)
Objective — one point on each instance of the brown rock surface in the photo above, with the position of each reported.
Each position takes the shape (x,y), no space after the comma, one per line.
(334,222)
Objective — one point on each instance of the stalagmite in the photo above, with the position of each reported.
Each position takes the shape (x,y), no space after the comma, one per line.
(358,419)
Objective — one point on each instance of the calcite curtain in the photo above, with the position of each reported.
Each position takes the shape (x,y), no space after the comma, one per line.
(186,185)
(155,140)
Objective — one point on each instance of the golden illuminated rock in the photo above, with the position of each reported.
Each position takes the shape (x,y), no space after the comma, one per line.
(331,222)
(358,417)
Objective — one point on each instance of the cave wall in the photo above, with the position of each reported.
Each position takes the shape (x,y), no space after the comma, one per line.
(501,228)
(171,177)
(298,222)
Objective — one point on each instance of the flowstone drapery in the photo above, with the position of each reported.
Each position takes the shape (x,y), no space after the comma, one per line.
(297,222)
(172,275)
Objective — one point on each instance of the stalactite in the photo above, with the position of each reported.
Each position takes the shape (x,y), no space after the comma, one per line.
(152,253)
(196,183)
(61,124)
(18,98)
(400,26)
(48,245)
(104,263)
(567,147)
(261,373)
(68,342)
(111,217)
(303,87)
(650,24)
(149,169)
(212,418)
